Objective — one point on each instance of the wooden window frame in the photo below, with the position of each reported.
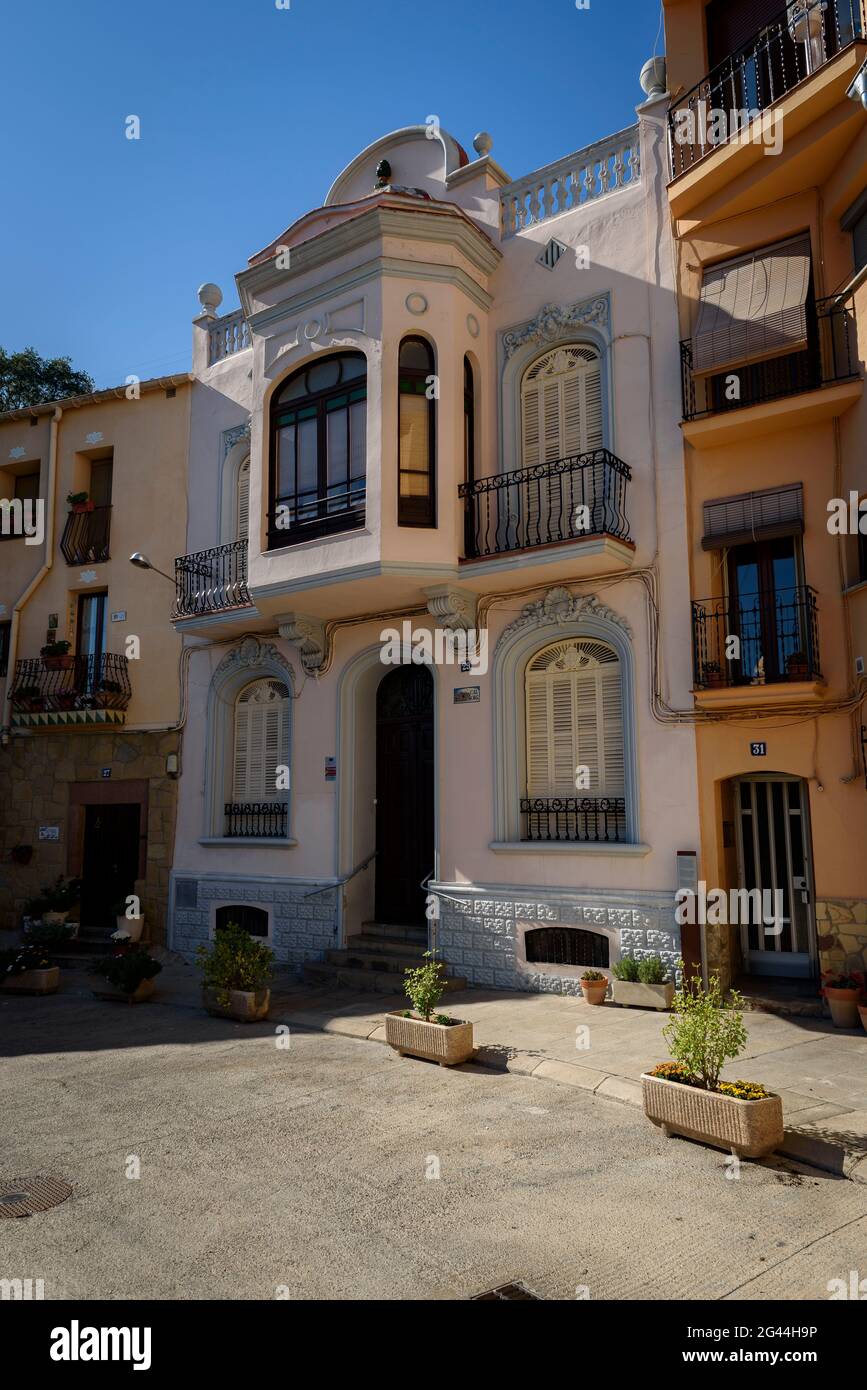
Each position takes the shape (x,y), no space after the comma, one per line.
(418,510)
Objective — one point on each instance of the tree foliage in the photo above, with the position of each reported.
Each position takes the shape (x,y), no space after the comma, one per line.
(28,379)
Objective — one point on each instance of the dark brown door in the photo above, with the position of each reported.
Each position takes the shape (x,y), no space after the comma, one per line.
(110,861)
(404,793)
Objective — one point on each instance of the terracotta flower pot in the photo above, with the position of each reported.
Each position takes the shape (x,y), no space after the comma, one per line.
(594,991)
(59,663)
(245,1005)
(843,1004)
(446,1043)
(44,981)
(862,1010)
(749,1128)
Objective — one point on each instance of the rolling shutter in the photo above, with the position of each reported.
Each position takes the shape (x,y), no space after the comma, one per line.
(261,742)
(753,308)
(575,718)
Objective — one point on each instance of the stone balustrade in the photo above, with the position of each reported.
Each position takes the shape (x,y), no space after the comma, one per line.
(227,335)
(605,167)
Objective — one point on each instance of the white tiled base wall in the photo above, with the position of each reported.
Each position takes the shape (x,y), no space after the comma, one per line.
(301,927)
(480,931)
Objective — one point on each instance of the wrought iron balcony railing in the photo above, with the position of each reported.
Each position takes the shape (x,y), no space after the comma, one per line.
(574,818)
(777,638)
(256,820)
(562,501)
(830,357)
(68,683)
(723,106)
(211,581)
(85,537)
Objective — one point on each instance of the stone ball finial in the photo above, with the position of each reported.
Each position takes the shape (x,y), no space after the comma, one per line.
(210,298)
(653,78)
(483,144)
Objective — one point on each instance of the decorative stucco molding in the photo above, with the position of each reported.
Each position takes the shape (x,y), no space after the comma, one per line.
(308,635)
(555,321)
(560,606)
(452,608)
(251,654)
(234,436)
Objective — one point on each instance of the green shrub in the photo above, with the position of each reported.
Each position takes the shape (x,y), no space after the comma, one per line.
(651,971)
(47,934)
(20,958)
(424,985)
(235,960)
(705,1031)
(593,977)
(126,967)
(625,969)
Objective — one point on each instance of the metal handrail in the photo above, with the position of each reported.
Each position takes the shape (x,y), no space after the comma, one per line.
(339,882)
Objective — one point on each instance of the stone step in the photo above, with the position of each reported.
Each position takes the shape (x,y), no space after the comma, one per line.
(354,958)
(367,981)
(387,945)
(394,933)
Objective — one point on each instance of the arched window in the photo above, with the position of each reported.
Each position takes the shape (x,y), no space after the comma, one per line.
(259,798)
(576,775)
(416,504)
(319,450)
(242,501)
(469,423)
(252,919)
(561,405)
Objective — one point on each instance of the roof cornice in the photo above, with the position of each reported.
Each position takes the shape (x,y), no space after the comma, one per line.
(109,393)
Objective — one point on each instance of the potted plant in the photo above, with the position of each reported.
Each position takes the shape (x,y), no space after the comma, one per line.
(65,699)
(842,990)
(440,1038)
(641,984)
(56,901)
(47,935)
(712,674)
(129,927)
(236,973)
(28,697)
(27,970)
(594,986)
(128,973)
(687,1097)
(797,666)
(55,656)
(80,501)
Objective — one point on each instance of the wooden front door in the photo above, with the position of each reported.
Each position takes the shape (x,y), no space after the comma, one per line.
(110,861)
(404,793)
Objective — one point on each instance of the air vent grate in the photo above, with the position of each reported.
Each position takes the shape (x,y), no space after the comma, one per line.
(551,254)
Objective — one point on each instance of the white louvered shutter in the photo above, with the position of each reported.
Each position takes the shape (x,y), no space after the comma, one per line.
(575,718)
(242,509)
(261,742)
(561,416)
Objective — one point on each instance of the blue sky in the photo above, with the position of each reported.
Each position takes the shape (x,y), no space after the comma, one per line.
(247,114)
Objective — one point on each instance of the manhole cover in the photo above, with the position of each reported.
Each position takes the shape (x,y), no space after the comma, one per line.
(25,1196)
(506,1293)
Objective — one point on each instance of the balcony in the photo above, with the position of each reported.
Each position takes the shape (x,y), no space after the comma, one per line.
(51,691)
(562,501)
(777,644)
(85,536)
(247,820)
(804,37)
(829,360)
(574,818)
(593,172)
(212,581)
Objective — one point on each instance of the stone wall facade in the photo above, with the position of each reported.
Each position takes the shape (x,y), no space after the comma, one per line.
(841,931)
(302,921)
(481,932)
(37,774)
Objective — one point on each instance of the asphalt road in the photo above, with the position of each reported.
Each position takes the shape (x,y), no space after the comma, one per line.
(310,1171)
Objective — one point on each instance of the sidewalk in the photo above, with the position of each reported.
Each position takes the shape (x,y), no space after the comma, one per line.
(819,1071)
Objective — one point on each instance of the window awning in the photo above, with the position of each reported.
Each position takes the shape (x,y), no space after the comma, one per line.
(753,307)
(753,516)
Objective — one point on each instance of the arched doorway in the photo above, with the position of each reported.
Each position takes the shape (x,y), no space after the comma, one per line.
(404,793)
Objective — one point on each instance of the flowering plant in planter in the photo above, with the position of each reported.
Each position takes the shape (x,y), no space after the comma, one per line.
(79,501)
(128,967)
(705,1032)
(48,934)
(27,969)
(55,656)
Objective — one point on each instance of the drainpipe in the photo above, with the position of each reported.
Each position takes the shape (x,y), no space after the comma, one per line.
(47,562)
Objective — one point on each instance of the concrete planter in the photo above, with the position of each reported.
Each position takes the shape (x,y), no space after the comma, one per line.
(843,1004)
(634,994)
(446,1043)
(749,1128)
(245,1005)
(55,919)
(594,991)
(140,993)
(33,981)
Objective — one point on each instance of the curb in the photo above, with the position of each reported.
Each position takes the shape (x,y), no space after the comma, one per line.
(810,1149)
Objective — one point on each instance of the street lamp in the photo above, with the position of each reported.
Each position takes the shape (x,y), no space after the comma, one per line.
(143,563)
